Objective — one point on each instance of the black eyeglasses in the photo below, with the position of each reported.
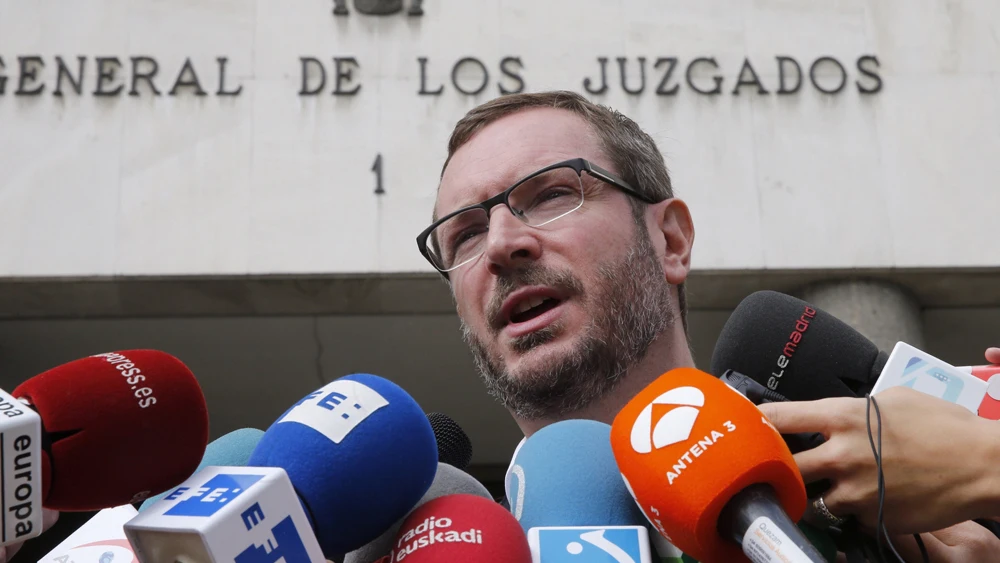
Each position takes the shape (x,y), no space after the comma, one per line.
(537,199)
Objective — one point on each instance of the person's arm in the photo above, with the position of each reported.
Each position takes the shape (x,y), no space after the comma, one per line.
(941,462)
(967,542)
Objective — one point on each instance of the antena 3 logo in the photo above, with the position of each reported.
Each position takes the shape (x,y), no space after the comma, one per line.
(336,408)
(674,426)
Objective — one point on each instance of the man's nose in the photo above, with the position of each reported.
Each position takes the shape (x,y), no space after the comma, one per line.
(510,244)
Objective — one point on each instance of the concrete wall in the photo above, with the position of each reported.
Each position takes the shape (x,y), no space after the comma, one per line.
(887,172)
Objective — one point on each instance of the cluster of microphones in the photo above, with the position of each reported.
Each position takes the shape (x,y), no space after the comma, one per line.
(357,472)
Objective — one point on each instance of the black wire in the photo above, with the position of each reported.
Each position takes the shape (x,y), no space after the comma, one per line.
(923,550)
(880,529)
(878,465)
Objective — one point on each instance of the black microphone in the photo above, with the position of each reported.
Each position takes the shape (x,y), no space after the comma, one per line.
(454,446)
(796,349)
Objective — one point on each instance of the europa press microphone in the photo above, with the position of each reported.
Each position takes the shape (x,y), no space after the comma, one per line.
(710,472)
(98,432)
(569,497)
(332,473)
(802,353)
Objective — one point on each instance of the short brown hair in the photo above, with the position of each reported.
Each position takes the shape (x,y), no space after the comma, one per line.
(633,153)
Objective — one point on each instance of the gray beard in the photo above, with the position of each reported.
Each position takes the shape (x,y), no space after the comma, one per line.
(630,305)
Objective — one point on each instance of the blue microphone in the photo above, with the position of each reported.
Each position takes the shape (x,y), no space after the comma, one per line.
(565,489)
(232,450)
(359,452)
(565,475)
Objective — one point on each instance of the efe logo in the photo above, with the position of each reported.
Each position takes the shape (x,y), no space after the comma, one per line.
(336,408)
(674,426)
(210,497)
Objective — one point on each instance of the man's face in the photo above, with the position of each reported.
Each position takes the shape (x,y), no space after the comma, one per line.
(556,314)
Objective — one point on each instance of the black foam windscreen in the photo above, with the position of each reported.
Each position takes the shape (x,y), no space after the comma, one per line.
(454,446)
(796,349)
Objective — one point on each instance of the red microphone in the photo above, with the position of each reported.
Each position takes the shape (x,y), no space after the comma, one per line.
(116,428)
(460,528)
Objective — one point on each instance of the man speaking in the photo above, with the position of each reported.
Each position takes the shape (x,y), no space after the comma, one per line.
(566,252)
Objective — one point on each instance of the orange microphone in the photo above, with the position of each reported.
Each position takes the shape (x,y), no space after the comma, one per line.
(710,472)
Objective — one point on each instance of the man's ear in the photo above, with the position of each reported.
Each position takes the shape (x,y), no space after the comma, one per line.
(674,224)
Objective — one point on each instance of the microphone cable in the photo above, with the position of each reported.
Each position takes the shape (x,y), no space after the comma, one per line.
(880,529)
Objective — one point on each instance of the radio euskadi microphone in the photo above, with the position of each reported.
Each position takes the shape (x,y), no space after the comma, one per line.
(360,453)
(710,472)
(232,450)
(98,432)
(448,480)
(460,528)
(803,353)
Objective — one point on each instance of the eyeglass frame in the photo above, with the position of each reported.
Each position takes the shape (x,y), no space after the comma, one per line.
(579,165)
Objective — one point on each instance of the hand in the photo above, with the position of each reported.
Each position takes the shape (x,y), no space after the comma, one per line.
(967,542)
(993,355)
(936,458)
(49,518)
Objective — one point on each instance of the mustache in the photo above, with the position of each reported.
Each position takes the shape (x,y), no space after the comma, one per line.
(563,281)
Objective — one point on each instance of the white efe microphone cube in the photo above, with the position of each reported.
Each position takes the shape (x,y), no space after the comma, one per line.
(583,544)
(233,514)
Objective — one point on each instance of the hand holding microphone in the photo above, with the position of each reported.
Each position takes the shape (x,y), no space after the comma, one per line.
(939,460)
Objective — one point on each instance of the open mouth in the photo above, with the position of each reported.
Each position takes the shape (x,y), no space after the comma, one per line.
(532,307)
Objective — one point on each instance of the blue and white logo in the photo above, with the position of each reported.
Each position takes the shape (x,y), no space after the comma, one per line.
(336,408)
(210,497)
(287,546)
(923,376)
(590,545)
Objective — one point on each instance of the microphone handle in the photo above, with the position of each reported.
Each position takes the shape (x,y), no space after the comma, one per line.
(755,519)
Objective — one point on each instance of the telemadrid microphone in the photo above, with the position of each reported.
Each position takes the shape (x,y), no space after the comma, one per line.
(796,349)
(460,528)
(710,472)
(360,453)
(98,432)
(448,480)
(804,354)
(232,449)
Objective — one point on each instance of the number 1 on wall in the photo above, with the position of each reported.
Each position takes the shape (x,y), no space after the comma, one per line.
(377,169)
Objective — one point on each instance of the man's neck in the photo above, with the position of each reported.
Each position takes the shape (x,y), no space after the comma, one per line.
(668,352)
